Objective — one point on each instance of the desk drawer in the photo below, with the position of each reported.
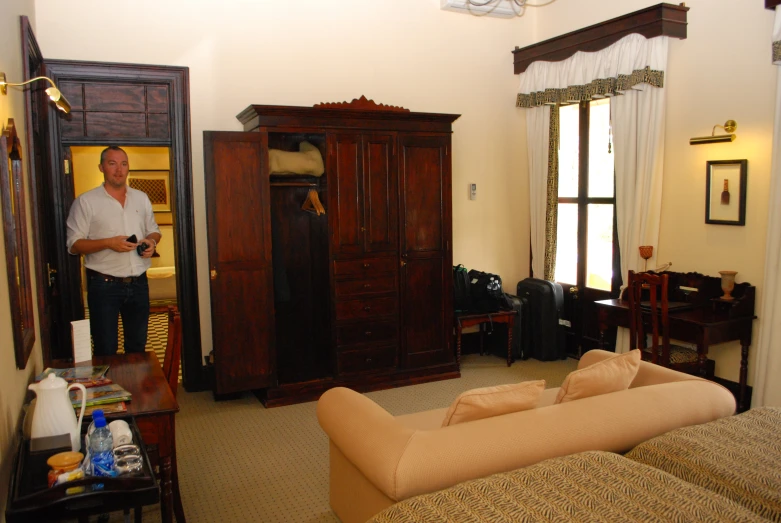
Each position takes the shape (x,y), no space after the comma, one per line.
(365,267)
(350,335)
(372,359)
(366,308)
(383,284)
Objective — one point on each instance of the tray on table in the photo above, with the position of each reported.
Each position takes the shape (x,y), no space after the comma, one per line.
(30,498)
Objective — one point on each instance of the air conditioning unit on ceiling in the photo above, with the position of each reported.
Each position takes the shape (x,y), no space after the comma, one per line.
(497,8)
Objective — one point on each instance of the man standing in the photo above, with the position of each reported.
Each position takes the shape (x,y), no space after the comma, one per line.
(100,223)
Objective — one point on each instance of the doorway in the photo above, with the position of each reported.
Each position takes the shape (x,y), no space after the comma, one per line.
(586,233)
(149,172)
(112,104)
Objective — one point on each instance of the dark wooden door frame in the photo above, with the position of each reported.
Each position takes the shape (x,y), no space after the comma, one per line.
(53,207)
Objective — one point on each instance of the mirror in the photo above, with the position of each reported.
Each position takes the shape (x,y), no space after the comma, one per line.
(16,245)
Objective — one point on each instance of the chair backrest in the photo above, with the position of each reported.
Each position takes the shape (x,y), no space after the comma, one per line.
(656,317)
(173,349)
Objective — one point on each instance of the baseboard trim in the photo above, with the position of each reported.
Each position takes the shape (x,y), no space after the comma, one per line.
(734,388)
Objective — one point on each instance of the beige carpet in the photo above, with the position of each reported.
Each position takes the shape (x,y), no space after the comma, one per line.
(241,462)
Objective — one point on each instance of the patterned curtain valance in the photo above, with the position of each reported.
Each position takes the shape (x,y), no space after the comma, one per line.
(777,38)
(631,63)
(599,88)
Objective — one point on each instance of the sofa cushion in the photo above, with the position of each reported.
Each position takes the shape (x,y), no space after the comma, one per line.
(610,375)
(487,402)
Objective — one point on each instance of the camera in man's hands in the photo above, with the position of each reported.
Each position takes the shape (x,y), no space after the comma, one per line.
(141,247)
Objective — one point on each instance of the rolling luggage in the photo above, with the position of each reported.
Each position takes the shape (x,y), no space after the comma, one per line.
(518,344)
(542,303)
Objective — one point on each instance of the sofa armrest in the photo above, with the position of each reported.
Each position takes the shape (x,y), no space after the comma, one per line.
(368,435)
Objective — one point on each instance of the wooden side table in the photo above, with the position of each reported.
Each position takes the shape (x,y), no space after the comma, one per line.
(471,319)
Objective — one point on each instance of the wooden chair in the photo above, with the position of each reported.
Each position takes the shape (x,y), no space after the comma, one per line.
(171,362)
(664,353)
(173,349)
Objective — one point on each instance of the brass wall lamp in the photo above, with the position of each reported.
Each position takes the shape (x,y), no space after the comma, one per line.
(54,94)
(729,126)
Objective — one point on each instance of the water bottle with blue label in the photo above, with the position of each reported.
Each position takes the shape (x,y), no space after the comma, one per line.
(101,446)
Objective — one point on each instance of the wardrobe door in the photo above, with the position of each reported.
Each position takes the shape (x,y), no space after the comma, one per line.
(344,167)
(239,237)
(380,194)
(426,238)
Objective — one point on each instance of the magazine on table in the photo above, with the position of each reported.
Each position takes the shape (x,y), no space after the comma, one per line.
(107,408)
(86,374)
(100,395)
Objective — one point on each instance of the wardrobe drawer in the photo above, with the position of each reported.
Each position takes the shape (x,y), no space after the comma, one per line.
(365,268)
(375,358)
(365,286)
(347,335)
(365,308)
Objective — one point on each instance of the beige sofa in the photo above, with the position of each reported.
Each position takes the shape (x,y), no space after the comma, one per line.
(377,459)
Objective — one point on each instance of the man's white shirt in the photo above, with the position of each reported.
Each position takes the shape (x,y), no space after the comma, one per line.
(96,215)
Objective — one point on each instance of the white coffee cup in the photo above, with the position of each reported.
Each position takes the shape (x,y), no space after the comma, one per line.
(120,432)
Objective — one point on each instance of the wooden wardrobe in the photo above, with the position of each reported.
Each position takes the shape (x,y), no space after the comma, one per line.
(358,297)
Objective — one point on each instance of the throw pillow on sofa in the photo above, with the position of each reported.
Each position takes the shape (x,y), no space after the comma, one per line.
(610,375)
(487,402)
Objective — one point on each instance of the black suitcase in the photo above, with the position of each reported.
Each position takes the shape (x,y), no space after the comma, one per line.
(542,303)
(518,344)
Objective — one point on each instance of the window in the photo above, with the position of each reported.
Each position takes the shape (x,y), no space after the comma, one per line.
(586,208)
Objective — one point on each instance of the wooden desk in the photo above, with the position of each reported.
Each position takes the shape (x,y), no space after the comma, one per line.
(704,325)
(470,320)
(153,405)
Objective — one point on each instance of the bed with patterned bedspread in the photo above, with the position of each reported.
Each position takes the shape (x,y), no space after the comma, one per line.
(738,457)
(590,486)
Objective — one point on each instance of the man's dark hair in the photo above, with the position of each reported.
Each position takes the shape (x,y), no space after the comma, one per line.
(110,148)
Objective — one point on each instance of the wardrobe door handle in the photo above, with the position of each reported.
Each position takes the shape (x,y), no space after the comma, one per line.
(367,265)
(367,308)
(367,286)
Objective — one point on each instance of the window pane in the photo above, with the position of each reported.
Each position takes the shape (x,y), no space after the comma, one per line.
(567,244)
(600,161)
(599,264)
(568,150)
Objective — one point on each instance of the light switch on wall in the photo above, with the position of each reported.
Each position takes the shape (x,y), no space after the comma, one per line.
(473,191)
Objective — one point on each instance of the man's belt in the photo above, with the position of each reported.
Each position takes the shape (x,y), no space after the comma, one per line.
(107,277)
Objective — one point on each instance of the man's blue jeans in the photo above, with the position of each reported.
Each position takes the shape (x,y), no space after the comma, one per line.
(107,300)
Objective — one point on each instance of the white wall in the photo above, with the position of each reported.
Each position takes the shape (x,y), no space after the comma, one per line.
(721,71)
(410,53)
(13,382)
(398,52)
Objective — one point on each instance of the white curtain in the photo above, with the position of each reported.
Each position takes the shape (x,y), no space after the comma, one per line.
(638,133)
(537,140)
(632,71)
(767,362)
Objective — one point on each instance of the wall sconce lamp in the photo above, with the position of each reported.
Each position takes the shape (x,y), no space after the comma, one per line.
(54,94)
(729,126)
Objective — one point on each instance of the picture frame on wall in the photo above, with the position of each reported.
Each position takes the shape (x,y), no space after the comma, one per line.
(725,192)
(17,258)
(156,184)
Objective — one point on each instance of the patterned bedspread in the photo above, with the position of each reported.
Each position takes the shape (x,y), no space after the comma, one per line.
(590,486)
(738,457)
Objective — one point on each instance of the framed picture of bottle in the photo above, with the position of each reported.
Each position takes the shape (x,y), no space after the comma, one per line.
(725,192)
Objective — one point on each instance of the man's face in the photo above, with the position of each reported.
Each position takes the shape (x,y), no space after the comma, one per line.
(115,168)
